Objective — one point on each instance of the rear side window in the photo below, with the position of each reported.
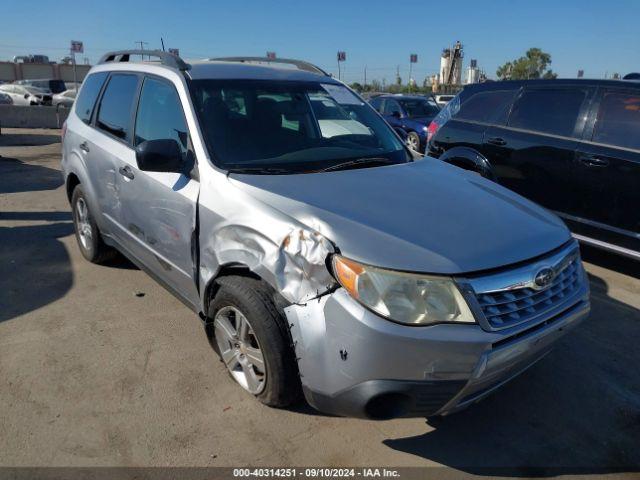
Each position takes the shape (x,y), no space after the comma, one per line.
(487,107)
(114,115)
(160,115)
(618,121)
(88,95)
(549,110)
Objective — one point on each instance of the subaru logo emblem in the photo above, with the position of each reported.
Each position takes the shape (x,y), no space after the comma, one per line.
(543,278)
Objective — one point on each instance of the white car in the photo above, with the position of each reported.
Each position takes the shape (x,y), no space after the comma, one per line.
(64,99)
(442,100)
(5,99)
(22,95)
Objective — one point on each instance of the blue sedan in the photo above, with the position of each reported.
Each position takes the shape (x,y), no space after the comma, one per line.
(408,114)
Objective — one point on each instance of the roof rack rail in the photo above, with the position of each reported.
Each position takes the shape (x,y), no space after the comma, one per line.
(302,65)
(166,58)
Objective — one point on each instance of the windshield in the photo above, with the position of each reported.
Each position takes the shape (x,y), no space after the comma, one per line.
(290,126)
(419,107)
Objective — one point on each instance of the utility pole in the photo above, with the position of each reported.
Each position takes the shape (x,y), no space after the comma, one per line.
(142,44)
(75,74)
(365,77)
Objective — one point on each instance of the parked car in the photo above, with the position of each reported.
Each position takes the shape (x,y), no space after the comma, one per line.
(442,100)
(320,256)
(23,95)
(64,99)
(49,84)
(573,146)
(5,99)
(409,113)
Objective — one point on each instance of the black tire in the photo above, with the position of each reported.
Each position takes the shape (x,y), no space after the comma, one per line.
(413,137)
(255,300)
(93,248)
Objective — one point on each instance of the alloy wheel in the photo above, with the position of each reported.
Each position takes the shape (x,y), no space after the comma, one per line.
(239,349)
(413,142)
(83,225)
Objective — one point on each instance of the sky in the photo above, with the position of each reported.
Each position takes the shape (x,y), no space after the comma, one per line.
(599,37)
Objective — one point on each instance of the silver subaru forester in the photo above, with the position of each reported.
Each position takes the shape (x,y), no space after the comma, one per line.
(323,256)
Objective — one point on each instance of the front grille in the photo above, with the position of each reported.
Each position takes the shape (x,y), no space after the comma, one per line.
(509,307)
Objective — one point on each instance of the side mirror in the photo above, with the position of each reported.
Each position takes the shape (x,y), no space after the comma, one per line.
(162,155)
(396,114)
(26,95)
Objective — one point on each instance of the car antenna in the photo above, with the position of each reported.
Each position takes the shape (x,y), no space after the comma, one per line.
(162,42)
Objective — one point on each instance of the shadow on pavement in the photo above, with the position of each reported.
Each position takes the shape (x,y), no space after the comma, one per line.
(577,411)
(27,139)
(17,176)
(36,264)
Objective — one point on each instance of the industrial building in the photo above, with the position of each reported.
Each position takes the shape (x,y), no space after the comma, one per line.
(11,71)
(451,65)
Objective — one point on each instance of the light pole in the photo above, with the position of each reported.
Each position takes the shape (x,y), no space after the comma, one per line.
(342,56)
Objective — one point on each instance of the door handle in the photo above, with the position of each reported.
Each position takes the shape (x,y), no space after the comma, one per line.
(84,147)
(590,161)
(497,141)
(126,172)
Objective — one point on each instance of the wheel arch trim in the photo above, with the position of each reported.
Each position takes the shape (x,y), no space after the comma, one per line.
(459,156)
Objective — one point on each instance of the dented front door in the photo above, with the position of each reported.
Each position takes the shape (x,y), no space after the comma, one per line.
(159,208)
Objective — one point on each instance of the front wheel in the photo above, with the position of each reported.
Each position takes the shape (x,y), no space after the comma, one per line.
(413,141)
(252,340)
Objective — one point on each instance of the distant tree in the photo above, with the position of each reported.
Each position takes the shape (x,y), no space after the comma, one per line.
(533,65)
(357,86)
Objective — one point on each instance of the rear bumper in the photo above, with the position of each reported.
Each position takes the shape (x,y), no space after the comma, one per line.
(353,363)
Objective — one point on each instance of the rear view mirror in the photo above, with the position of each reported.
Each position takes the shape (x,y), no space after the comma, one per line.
(162,155)
(396,114)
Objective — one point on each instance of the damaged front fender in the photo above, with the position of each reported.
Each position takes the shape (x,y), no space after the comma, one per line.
(289,256)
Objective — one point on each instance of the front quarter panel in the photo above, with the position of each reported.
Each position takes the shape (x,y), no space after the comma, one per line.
(237,229)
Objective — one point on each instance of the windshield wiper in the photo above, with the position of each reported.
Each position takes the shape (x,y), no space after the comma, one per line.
(261,170)
(358,161)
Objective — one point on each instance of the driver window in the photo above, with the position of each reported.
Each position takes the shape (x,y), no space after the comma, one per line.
(160,114)
(391,106)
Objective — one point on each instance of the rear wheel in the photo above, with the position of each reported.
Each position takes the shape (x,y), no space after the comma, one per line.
(252,339)
(87,234)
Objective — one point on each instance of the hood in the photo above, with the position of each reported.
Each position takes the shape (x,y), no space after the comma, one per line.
(424,216)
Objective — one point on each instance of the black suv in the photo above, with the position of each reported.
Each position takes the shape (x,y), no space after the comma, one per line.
(572,146)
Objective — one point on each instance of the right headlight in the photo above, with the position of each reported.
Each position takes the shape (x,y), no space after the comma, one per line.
(411,299)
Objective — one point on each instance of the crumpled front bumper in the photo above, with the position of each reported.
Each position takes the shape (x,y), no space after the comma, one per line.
(355,363)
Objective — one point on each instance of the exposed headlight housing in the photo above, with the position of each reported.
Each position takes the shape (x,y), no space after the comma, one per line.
(406,298)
